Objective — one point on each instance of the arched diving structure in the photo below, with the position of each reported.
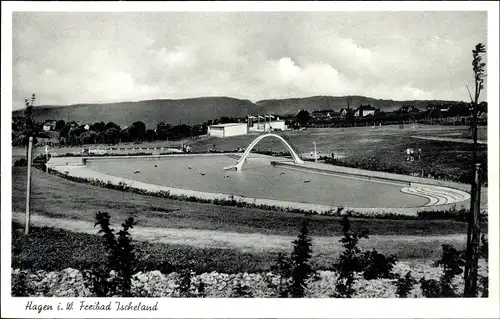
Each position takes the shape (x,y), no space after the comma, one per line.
(296,158)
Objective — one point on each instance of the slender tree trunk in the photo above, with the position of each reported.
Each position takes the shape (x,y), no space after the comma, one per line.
(470,273)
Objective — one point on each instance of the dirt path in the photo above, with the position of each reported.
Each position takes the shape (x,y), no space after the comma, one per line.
(243,241)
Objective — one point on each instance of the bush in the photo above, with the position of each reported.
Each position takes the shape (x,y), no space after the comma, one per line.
(405,285)
(452,263)
(115,277)
(283,267)
(20,285)
(483,253)
(376,265)
(21,162)
(452,213)
(349,261)
(241,289)
(294,271)
(301,269)
(371,264)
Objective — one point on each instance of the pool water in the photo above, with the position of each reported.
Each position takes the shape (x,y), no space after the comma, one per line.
(258,179)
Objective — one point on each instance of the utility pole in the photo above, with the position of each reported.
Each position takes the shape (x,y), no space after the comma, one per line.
(28,187)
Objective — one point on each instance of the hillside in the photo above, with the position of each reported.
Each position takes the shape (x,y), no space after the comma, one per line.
(292,106)
(198,110)
(151,112)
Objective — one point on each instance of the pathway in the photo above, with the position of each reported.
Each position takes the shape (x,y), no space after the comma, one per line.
(254,242)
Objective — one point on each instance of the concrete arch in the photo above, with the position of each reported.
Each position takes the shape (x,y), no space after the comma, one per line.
(239,164)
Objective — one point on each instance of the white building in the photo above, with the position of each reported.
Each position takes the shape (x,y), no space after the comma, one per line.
(228,129)
(268,126)
(364,110)
(49,126)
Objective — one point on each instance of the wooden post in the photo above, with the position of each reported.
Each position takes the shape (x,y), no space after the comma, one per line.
(470,289)
(46,158)
(28,187)
(315,156)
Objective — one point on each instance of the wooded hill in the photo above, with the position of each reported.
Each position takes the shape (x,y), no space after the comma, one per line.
(198,110)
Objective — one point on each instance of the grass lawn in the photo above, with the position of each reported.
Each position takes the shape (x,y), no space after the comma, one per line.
(53,196)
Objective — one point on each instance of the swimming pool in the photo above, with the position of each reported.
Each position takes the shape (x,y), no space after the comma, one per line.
(259,179)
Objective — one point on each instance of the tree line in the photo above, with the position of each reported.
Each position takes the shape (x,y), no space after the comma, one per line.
(111,133)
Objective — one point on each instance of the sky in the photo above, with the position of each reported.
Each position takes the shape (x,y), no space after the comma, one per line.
(71,58)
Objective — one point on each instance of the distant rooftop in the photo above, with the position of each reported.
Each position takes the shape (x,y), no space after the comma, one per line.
(227,124)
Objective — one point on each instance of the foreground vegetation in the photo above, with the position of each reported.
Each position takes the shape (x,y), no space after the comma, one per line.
(119,268)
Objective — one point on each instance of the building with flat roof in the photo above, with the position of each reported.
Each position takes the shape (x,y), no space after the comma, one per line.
(278,125)
(228,129)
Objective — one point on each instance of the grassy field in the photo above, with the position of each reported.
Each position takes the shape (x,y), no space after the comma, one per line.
(56,197)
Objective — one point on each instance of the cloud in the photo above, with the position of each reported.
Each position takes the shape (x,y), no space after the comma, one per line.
(68,58)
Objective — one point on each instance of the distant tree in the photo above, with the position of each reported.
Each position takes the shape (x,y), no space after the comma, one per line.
(150,135)
(28,116)
(137,130)
(98,126)
(112,125)
(111,135)
(89,137)
(141,127)
(64,132)
(26,124)
(181,131)
(60,124)
(74,135)
(162,131)
(160,126)
(303,117)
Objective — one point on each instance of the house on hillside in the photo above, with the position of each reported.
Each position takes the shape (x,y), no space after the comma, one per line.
(86,127)
(344,112)
(323,114)
(408,109)
(49,125)
(365,110)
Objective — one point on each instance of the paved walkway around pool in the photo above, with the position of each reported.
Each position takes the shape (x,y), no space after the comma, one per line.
(249,242)
(73,166)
